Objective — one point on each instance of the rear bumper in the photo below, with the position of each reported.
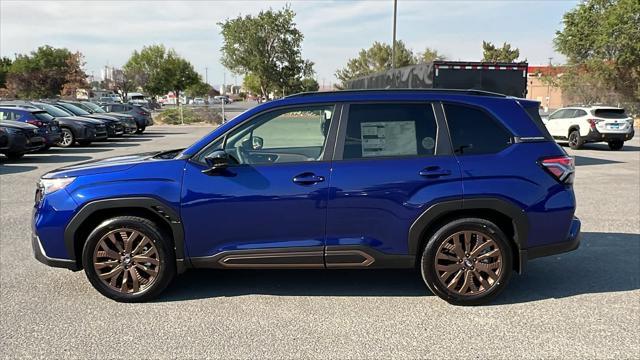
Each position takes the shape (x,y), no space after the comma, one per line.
(595,136)
(572,242)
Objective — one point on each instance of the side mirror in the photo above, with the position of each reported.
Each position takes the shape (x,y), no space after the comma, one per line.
(258,143)
(217,160)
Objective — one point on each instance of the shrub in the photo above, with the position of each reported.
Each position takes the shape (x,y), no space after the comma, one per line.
(189,115)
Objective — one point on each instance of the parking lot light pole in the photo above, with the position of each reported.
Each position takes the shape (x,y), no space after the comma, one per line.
(393,44)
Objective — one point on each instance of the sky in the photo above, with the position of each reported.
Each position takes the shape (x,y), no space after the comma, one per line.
(107,32)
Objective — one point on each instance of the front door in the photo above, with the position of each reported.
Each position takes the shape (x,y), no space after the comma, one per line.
(392,161)
(268,209)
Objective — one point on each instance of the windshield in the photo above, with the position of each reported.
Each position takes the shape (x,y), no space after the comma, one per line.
(74,109)
(54,111)
(93,107)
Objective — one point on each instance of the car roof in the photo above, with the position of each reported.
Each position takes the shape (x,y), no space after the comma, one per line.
(19,108)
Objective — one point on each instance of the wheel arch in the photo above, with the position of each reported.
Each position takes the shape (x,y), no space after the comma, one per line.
(509,217)
(93,213)
(572,128)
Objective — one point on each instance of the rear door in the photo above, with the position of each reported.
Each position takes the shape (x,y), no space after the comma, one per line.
(392,161)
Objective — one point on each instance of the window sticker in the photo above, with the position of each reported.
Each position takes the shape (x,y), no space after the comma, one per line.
(428,143)
(388,138)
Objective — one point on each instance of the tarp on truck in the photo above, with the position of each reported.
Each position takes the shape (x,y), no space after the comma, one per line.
(504,78)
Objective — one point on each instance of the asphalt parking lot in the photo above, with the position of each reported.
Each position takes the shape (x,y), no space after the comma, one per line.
(585,304)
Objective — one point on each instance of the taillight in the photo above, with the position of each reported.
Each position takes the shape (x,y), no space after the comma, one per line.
(37,123)
(593,122)
(560,167)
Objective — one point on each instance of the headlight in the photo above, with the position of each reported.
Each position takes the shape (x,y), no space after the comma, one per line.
(50,185)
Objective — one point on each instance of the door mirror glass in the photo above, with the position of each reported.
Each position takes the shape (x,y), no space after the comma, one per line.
(257,143)
(217,160)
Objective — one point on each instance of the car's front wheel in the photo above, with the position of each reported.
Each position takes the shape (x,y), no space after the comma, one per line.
(67,138)
(129,259)
(616,144)
(467,261)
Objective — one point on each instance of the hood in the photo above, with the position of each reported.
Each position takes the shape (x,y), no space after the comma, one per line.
(17,125)
(101,166)
(101,117)
(81,119)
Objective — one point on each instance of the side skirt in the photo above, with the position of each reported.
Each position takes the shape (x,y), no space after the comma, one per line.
(330,257)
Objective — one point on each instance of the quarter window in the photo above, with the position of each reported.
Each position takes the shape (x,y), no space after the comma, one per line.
(390,130)
(473,131)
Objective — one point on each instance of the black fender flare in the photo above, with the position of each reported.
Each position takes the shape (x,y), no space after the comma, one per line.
(154,205)
(439,210)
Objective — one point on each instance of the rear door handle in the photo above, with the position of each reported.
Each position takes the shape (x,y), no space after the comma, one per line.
(307,179)
(434,172)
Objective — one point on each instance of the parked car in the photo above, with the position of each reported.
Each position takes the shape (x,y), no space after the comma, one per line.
(198,101)
(74,129)
(141,114)
(353,179)
(221,98)
(579,125)
(128,121)
(18,138)
(137,98)
(48,128)
(114,126)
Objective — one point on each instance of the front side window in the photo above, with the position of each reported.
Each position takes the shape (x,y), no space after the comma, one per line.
(473,131)
(282,136)
(390,130)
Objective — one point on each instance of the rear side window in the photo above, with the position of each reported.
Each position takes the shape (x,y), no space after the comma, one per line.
(610,113)
(390,130)
(534,114)
(42,116)
(473,131)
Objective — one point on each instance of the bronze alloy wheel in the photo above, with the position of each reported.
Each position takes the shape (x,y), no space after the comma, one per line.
(469,263)
(126,261)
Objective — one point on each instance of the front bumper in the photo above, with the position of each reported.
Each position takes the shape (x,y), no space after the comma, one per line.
(40,255)
(572,242)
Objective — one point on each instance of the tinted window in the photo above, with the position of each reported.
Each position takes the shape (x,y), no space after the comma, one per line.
(55,111)
(74,109)
(473,131)
(579,113)
(610,113)
(381,130)
(534,114)
(43,116)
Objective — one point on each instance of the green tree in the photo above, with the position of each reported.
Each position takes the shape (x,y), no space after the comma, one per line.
(309,84)
(177,74)
(199,89)
(43,73)
(252,83)
(144,69)
(430,55)
(491,53)
(5,64)
(267,46)
(600,39)
(375,59)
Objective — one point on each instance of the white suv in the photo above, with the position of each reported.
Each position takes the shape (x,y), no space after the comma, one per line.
(583,124)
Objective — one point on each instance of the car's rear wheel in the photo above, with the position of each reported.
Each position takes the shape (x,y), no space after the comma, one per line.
(129,259)
(575,140)
(467,262)
(616,144)
(67,138)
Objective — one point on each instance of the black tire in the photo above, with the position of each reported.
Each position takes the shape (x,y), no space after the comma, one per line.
(616,145)
(432,277)
(68,139)
(141,129)
(164,253)
(575,140)
(84,142)
(14,155)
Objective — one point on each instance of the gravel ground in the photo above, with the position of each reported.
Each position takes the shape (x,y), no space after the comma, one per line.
(584,304)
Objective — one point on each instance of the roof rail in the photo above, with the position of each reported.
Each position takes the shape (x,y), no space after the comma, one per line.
(351,91)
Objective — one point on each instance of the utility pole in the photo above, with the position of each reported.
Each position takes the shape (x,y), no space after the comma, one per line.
(549,85)
(206,75)
(393,44)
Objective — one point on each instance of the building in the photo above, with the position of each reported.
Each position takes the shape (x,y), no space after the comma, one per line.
(538,89)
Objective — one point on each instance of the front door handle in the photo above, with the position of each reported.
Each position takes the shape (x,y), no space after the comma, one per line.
(434,172)
(307,179)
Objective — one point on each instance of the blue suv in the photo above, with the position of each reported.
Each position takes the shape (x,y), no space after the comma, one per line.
(466,186)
